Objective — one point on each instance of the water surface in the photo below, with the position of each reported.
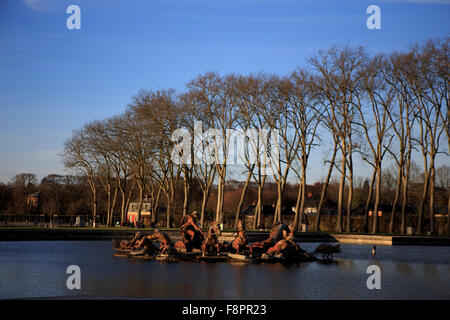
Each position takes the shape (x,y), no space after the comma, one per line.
(38,269)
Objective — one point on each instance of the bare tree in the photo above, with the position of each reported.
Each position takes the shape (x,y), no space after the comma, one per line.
(254,97)
(203,163)
(217,98)
(138,148)
(305,116)
(436,61)
(402,122)
(325,184)
(338,82)
(355,99)
(76,156)
(379,99)
(115,142)
(96,139)
(426,88)
(160,111)
(277,117)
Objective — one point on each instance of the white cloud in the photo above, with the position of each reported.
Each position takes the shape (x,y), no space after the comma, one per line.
(38,5)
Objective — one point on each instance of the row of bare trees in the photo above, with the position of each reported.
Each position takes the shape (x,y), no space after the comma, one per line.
(357,107)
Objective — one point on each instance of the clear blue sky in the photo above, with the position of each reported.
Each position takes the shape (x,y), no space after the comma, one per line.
(53,80)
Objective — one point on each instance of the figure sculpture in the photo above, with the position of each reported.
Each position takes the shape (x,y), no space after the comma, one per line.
(211,243)
(278,232)
(240,243)
(166,245)
(192,236)
(127,245)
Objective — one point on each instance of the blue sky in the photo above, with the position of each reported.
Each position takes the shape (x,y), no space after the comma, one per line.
(53,80)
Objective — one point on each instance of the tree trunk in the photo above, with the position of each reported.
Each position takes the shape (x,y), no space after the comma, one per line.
(141,200)
(241,200)
(369,201)
(302,202)
(324,190)
(377,200)
(350,195)
(432,187)
(128,199)
(257,215)
(94,209)
(220,191)
(448,205)
(122,206)
(222,195)
(186,192)
(405,195)
(108,207)
(448,215)
(423,200)
(204,203)
(155,205)
(259,205)
(341,195)
(113,205)
(297,205)
(280,192)
(186,199)
(397,196)
(168,209)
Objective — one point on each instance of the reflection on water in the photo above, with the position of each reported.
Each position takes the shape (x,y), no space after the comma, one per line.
(38,269)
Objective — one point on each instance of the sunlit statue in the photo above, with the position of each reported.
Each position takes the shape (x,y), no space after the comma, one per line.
(279,231)
(279,246)
(286,246)
(131,244)
(166,245)
(211,243)
(146,244)
(240,243)
(192,235)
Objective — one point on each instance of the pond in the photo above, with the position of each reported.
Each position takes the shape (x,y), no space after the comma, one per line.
(38,269)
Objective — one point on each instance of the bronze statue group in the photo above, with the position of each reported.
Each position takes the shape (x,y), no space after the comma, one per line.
(279,246)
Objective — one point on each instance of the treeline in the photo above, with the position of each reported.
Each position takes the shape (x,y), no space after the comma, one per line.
(53,195)
(64,197)
(377,109)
